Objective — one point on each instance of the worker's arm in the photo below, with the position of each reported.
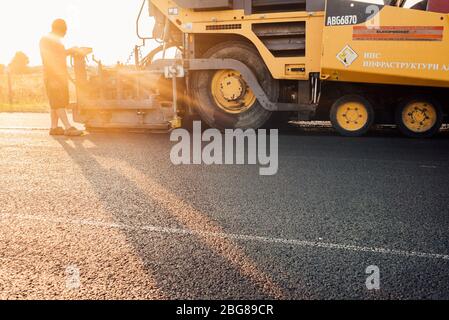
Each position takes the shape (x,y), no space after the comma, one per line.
(71,51)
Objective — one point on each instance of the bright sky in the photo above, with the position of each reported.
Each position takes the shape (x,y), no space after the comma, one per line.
(107,26)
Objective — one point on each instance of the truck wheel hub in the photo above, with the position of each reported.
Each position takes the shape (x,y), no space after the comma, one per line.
(232,88)
(231,92)
(352,116)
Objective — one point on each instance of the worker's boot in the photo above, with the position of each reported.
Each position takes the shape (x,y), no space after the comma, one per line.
(73,132)
(57,131)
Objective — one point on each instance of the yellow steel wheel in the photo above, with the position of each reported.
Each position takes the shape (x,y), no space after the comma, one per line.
(231,93)
(352,115)
(419,116)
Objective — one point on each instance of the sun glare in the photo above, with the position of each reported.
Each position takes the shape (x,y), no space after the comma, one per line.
(107,26)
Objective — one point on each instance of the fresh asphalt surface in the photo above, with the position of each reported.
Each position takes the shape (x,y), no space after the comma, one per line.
(112,207)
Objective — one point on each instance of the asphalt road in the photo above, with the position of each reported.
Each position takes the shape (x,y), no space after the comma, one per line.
(108,216)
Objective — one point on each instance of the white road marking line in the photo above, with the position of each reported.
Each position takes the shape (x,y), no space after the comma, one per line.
(230,236)
(428,167)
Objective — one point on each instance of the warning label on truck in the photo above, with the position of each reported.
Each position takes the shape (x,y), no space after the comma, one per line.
(347,56)
(394,33)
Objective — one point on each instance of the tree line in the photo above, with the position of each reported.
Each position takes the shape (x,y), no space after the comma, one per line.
(18,65)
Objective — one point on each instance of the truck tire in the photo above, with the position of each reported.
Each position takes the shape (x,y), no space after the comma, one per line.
(223,99)
(419,117)
(352,116)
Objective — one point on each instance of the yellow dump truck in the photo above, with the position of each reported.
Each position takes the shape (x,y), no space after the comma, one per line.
(250,64)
